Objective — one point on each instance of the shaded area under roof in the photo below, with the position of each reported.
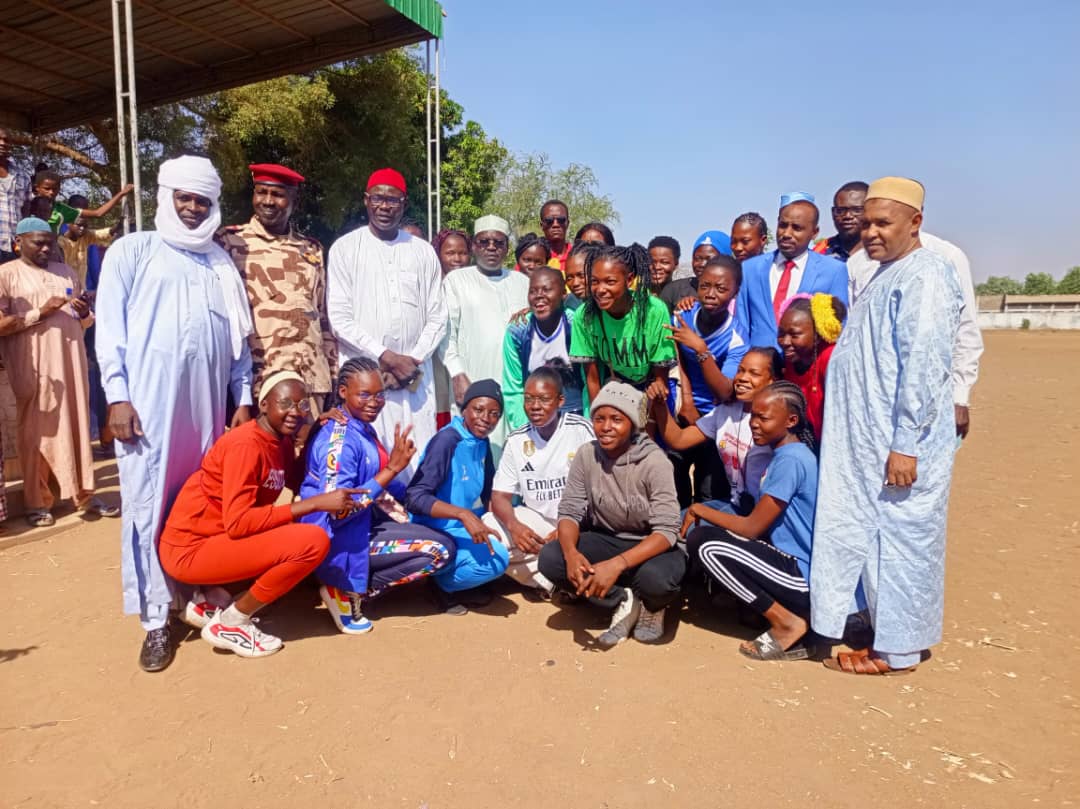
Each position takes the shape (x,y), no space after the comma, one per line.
(56,64)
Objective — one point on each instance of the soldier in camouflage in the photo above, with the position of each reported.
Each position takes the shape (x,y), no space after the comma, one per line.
(286,285)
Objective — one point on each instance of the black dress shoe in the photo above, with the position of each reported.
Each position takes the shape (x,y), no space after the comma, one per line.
(157,650)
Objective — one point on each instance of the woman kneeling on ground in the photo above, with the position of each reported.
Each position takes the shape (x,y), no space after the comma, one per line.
(618,522)
(374,547)
(770,572)
(224,526)
(451,490)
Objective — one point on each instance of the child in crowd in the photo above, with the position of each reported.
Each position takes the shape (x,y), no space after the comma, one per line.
(728,425)
(618,522)
(809,327)
(532,252)
(372,548)
(225,526)
(46,184)
(619,331)
(711,346)
(575,277)
(763,558)
(749,235)
(664,254)
(452,248)
(540,340)
(533,468)
(450,491)
(596,233)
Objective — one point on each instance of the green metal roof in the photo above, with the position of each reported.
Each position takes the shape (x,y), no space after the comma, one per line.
(428,14)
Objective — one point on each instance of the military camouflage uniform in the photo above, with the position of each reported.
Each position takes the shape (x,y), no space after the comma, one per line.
(286,286)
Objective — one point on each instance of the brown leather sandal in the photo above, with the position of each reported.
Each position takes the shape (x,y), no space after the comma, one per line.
(863,661)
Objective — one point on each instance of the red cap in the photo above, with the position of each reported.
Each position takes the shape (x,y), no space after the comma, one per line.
(390,177)
(273,174)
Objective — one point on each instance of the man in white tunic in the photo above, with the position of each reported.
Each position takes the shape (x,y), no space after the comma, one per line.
(969,343)
(887,455)
(481,300)
(385,301)
(173,321)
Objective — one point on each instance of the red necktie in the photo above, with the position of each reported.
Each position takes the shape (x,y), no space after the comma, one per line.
(782,288)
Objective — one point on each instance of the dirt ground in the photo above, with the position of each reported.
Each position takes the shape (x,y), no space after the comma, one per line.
(508,707)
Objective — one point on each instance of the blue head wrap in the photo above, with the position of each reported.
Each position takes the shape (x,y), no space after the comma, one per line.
(32,224)
(795,196)
(716,239)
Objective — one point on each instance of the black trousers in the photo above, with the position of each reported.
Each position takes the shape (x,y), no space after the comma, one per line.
(752,570)
(709,478)
(655,581)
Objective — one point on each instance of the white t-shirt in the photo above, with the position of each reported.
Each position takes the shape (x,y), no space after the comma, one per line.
(551,351)
(535,469)
(744,461)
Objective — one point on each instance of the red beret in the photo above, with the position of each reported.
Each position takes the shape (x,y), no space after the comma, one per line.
(390,177)
(273,174)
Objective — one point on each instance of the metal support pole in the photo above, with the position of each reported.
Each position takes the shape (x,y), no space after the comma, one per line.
(133,112)
(427,137)
(438,145)
(121,129)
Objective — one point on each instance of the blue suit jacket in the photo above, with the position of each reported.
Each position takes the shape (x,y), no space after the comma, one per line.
(754,306)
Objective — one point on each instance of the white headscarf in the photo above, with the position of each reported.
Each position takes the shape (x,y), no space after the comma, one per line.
(197,175)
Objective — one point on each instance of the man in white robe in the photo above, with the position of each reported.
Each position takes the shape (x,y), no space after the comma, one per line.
(889,442)
(481,300)
(385,301)
(173,320)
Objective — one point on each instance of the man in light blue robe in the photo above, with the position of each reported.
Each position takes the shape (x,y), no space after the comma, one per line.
(172,320)
(888,442)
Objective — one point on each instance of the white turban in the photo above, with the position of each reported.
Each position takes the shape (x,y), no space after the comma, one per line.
(197,175)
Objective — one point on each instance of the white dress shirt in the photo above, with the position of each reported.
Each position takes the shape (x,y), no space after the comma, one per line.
(796,272)
(969,344)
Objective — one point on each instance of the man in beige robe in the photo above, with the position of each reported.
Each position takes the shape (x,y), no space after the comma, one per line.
(42,317)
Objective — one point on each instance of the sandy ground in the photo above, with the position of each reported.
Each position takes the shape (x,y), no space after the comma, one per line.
(509,707)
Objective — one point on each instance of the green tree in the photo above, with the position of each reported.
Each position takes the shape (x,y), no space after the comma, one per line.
(334,125)
(1070,283)
(1039,283)
(527,180)
(999,285)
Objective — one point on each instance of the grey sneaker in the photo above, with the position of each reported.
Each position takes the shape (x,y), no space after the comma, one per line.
(622,621)
(650,626)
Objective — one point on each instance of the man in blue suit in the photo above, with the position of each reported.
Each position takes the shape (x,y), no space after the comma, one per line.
(772,278)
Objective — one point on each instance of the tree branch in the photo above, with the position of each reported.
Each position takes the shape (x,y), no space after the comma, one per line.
(62,149)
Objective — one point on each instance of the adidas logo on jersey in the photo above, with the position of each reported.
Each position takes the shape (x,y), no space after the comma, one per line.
(528,467)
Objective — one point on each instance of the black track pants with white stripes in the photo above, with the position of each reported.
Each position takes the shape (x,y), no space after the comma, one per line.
(753,571)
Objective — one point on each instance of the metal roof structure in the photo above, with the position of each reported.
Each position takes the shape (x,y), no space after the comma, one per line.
(57,66)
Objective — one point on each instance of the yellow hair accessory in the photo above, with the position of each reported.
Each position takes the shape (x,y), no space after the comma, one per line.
(826,324)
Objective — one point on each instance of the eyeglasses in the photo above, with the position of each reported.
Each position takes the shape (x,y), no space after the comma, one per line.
(548,221)
(500,243)
(854,209)
(367,397)
(304,406)
(544,400)
(380,201)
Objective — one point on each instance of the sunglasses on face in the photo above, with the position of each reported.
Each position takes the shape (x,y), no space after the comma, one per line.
(499,243)
(548,221)
(857,210)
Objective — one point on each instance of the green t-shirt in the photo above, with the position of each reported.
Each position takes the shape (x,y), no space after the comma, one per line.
(615,343)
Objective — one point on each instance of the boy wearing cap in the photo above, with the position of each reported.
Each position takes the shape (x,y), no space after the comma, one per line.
(285,277)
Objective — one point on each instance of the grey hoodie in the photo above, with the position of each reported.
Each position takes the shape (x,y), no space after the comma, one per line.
(630,498)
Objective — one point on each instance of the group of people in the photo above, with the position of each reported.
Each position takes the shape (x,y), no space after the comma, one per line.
(594,422)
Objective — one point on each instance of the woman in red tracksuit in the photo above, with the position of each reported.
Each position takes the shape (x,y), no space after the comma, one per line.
(226,527)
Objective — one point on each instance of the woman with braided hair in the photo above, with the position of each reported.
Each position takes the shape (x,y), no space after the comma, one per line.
(619,332)
(770,571)
(373,547)
(809,327)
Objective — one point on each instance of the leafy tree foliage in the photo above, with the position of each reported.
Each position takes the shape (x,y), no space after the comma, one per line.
(1039,283)
(999,285)
(1070,284)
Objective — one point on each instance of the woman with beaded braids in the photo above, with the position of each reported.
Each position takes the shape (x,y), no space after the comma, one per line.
(619,333)
(769,571)
(373,547)
(809,327)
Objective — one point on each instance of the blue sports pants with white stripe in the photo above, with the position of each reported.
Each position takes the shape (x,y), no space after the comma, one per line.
(752,570)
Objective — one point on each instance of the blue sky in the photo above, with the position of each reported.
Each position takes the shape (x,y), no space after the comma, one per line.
(693,112)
